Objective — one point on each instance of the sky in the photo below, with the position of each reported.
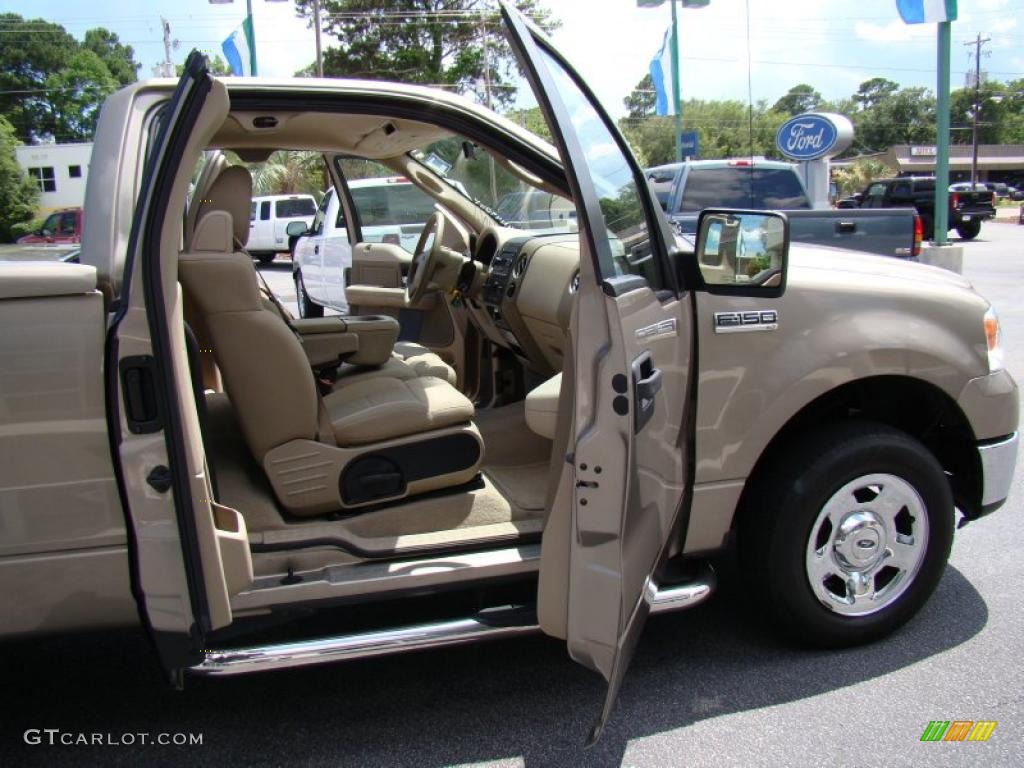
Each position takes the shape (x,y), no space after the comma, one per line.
(833,45)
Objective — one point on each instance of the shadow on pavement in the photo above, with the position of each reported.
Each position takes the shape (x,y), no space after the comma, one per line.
(514,701)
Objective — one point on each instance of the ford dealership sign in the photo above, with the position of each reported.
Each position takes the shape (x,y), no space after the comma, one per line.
(814,135)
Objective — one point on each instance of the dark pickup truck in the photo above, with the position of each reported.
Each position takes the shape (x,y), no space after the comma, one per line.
(685,189)
(967,207)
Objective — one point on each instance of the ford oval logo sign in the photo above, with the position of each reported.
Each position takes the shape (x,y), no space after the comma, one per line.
(807,137)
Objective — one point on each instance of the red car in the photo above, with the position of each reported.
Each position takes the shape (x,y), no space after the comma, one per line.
(64,226)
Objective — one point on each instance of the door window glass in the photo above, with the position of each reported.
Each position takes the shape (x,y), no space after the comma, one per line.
(252,212)
(391,208)
(625,227)
(265,211)
(294,208)
(321,212)
(67,223)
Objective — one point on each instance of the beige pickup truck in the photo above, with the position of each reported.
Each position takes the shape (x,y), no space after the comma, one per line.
(513,431)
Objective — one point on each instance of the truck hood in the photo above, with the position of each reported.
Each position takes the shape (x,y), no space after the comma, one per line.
(806,260)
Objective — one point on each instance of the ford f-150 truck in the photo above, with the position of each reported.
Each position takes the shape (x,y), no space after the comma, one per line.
(685,189)
(574,422)
(967,207)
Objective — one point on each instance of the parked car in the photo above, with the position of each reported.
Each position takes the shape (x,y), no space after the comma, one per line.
(685,189)
(968,208)
(60,227)
(222,472)
(269,218)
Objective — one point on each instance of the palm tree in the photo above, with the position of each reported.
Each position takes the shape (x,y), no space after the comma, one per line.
(289,173)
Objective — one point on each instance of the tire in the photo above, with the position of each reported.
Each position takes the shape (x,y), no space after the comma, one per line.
(265,257)
(968,230)
(307,307)
(811,536)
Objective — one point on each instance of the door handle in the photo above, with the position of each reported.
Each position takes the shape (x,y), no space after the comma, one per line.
(846,227)
(316,250)
(646,386)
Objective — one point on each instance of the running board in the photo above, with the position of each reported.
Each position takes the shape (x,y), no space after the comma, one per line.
(490,624)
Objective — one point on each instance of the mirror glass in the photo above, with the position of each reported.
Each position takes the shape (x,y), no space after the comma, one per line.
(741,249)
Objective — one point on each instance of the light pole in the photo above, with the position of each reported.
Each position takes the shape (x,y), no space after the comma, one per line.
(674,48)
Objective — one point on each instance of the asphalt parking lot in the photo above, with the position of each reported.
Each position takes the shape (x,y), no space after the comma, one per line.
(707,688)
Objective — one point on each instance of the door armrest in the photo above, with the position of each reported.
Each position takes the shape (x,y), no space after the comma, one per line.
(392,298)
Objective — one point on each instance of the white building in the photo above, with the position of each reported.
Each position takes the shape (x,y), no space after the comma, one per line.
(60,170)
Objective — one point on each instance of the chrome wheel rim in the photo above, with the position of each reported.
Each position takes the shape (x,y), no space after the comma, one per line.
(867,544)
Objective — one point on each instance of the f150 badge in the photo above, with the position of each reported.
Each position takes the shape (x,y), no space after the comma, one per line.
(738,322)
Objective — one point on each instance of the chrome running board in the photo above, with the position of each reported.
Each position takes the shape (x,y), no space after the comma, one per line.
(489,624)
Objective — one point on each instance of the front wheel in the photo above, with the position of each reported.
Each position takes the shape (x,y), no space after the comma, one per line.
(265,257)
(307,307)
(968,230)
(845,536)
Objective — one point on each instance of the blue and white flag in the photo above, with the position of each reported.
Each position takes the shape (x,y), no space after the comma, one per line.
(664,78)
(926,11)
(238,49)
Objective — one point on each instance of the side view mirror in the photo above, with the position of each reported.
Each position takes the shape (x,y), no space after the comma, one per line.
(296,228)
(743,253)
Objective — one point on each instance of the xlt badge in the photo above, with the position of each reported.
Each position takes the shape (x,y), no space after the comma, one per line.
(738,322)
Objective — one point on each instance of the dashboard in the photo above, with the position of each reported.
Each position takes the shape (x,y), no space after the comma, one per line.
(527,297)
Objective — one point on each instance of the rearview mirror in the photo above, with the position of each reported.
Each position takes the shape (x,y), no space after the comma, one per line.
(743,253)
(296,228)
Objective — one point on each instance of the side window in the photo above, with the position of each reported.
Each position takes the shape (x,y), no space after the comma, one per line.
(252,212)
(876,196)
(51,223)
(391,208)
(67,223)
(626,228)
(900,192)
(265,210)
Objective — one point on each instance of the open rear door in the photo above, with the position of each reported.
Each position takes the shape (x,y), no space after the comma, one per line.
(628,445)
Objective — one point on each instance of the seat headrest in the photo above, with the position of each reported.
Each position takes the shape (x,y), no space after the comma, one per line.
(230,192)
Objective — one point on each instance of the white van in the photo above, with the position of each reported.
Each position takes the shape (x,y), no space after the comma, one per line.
(270,216)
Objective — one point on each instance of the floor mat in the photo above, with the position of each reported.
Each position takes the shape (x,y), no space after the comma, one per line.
(525,485)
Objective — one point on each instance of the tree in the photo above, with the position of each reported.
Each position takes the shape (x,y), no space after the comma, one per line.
(856,176)
(641,102)
(37,56)
(446,43)
(74,97)
(119,59)
(289,173)
(217,65)
(906,116)
(874,91)
(18,193)
(531,119)
(799,98)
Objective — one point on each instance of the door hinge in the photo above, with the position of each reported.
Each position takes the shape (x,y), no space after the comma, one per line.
(138,385)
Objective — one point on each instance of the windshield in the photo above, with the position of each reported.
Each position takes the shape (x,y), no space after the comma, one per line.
(299,206)
(756,188)
(471,170)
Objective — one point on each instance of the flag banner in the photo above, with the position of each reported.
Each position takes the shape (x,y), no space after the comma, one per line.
(695,3)
(663,77)
(238,49)
(926,11)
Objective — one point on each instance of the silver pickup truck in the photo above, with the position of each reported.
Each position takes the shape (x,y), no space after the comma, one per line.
(685,189)
(572,424)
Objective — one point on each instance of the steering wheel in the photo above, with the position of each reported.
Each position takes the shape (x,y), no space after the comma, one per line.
(425,259)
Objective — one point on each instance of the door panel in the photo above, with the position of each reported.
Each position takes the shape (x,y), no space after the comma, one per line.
(177,571)
(631,345)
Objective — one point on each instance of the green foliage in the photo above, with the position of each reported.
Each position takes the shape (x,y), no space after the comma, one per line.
(642,100)
(800,98)
(723,129)
(289,173)
(904,116)
(532,120)
(23,228)
(51,85)
(446,43)
(18,193)
(217,65)
(856,176)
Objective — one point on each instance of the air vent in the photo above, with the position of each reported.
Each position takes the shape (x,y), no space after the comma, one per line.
(519,267)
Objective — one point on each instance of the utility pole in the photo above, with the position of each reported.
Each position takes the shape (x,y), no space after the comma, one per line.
(316,29)
(168,65)
(978,42)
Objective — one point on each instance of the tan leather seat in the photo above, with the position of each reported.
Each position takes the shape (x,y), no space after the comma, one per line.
(383,438)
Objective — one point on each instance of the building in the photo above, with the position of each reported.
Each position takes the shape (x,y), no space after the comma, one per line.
(60,170)
(996,162)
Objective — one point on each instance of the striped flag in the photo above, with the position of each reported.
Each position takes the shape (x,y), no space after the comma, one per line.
(663,77)
(926,11)
(238,49)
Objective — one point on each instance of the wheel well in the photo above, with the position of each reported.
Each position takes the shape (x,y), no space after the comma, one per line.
(908,404)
